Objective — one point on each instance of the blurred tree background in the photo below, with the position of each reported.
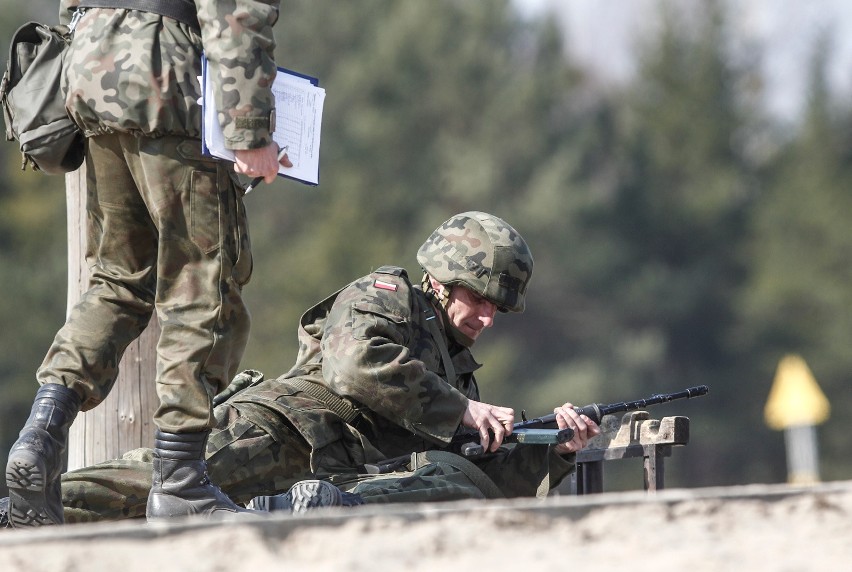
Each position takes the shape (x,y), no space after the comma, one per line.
(681,235)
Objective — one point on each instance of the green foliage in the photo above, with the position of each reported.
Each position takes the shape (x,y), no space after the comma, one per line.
(798,293)
(680,236)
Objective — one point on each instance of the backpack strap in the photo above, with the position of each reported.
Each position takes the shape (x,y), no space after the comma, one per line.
(181,10)
(342,407)
(449,368)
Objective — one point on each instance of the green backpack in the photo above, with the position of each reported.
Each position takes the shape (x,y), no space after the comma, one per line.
(34,103)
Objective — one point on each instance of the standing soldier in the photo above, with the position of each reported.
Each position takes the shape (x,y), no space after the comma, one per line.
(166,232)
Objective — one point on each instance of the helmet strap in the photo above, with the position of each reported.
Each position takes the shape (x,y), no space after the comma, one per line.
(441,298)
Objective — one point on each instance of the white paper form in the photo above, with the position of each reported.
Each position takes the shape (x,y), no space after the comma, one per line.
(298,121)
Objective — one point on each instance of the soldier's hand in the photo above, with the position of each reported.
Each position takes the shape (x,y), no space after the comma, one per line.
(584,428)
(260,162)
(483,417)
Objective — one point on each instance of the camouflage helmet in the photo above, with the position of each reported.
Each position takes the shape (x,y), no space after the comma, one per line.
(483,253)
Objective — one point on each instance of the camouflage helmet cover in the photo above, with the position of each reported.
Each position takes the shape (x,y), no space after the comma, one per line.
(483,253)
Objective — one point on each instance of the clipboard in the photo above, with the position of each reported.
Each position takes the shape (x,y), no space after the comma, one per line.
(298,123)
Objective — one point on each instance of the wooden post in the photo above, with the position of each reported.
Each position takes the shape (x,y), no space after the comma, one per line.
(124,420)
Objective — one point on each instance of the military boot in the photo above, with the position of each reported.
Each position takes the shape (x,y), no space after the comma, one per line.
(36,459)
(4,513)
(305,496)
(180,485)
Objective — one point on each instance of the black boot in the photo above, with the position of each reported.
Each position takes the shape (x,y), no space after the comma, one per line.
(180,485)
(4,513)
(36,459)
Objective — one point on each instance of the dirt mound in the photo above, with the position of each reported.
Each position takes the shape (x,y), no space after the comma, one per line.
(757,527)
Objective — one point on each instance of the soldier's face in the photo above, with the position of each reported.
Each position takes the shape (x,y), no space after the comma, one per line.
(470,312)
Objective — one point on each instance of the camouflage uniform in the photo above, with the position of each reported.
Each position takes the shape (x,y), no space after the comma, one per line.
(166,226)
(369,384)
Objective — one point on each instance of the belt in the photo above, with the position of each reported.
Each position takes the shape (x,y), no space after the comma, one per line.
(181,10)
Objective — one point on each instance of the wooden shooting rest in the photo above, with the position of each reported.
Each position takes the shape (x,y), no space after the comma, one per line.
(631,436)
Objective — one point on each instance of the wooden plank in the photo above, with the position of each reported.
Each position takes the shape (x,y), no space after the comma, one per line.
(626,436)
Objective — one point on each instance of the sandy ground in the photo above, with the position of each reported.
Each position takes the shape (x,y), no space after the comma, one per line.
(760,528)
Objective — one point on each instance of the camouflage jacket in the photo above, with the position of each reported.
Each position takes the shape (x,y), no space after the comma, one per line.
(370,344)
(137,72)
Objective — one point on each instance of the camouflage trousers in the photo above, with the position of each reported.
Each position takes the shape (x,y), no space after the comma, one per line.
(167,231)
(242,459)
(253,452)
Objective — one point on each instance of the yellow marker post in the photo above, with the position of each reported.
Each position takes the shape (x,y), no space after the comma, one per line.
(796,404)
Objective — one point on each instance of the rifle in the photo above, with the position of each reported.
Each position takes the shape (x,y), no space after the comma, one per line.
(596,411)
(542,430)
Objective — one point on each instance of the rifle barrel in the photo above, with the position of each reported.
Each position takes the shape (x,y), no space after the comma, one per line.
(596,411)
(653,400)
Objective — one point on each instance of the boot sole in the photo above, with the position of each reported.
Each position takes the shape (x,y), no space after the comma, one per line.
(306,495)
(27,490)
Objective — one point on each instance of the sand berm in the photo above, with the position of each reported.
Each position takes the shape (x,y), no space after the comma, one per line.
(753,527)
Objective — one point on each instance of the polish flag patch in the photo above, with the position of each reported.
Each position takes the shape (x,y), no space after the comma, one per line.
(385,285)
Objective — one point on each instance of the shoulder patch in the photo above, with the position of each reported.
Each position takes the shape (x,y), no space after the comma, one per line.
(389,284)
(388,295)
(385,285)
